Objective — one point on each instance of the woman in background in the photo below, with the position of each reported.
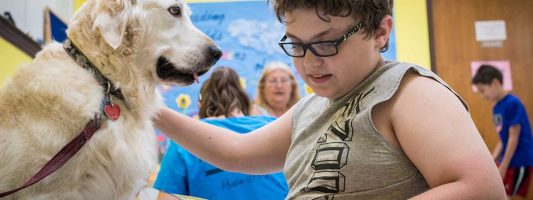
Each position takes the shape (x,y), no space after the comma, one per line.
(223,103)
(277,90)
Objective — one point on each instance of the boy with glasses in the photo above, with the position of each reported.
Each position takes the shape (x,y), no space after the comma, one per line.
(374,129)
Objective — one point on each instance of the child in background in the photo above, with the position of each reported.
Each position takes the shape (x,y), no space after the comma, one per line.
(514,151)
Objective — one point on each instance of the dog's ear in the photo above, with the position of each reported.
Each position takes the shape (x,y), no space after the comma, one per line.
(112,20)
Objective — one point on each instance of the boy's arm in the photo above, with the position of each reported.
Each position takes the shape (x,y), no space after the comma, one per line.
(514,133)
(262,151)
(497,152)
(438,135)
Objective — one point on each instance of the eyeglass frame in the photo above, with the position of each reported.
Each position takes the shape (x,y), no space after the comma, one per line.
(336,43)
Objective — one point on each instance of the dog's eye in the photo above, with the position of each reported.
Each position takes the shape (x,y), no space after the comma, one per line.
(175,10)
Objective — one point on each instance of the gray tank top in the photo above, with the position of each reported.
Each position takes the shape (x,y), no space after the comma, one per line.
(337,153)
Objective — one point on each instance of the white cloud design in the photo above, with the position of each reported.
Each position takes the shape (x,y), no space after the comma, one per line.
(259,35)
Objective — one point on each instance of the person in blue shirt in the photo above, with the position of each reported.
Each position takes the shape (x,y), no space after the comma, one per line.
(223,103)
(514,151)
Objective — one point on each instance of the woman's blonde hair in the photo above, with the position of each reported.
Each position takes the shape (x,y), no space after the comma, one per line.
(272,66)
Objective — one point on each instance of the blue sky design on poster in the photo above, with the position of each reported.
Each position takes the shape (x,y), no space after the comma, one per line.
(247,32)
(257,35)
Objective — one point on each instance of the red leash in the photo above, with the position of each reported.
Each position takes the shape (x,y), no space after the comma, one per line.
(63,155)
(111,110)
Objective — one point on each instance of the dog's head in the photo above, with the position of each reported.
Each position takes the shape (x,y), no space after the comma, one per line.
(155,36)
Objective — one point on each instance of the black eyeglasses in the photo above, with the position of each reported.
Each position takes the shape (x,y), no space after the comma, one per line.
(320,48)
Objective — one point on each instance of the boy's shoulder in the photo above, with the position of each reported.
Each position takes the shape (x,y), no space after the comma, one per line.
(513,98)
(395,71)
(406,75)
(507,99)
(510,101)
(383,84)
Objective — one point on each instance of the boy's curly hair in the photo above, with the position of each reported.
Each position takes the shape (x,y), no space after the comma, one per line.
(370,12)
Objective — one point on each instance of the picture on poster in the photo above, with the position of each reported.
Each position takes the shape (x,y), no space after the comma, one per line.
(503,65)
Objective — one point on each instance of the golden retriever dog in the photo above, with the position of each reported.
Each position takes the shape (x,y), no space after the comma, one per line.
(136,45)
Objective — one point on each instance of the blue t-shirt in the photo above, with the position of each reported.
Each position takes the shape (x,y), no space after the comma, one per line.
(183,173)
(508,112)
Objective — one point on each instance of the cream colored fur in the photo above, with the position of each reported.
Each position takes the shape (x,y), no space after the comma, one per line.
(50,100)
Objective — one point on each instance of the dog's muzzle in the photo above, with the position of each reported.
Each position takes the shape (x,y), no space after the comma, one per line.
(169,72)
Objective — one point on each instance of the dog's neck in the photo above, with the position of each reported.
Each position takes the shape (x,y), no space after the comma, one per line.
(84,62)
(138,95)
(122,66)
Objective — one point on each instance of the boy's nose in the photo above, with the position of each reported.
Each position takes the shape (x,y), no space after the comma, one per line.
(311,60)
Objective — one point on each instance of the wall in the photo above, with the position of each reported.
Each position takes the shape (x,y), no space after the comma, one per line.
(77,4)
(412,36)
(29,14)
(10,58)
(455,23)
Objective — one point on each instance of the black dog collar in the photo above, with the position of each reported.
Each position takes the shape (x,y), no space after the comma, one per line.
(83,61)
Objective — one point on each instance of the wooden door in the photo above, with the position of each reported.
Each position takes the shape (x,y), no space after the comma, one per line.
(454,47)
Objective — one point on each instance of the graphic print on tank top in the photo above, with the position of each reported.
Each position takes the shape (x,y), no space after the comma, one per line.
(331,153)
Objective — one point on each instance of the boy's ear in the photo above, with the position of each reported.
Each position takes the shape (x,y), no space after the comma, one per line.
(383,33)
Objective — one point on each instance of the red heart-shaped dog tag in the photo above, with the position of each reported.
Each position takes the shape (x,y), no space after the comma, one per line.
(112,111)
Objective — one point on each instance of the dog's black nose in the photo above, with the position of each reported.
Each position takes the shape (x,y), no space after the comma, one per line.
(215,52)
